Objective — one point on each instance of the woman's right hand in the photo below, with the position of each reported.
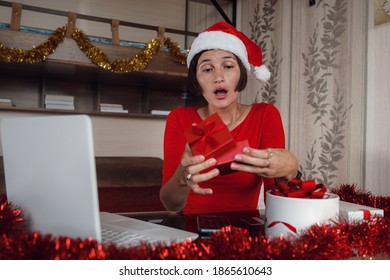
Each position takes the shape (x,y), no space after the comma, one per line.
(191,166)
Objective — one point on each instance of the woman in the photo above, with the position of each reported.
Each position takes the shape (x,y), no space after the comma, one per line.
(219,62)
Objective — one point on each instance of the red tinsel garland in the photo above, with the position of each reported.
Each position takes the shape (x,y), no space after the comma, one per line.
(340,241)
(351,193)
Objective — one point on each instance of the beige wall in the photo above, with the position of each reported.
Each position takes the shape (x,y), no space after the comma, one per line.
(119,136)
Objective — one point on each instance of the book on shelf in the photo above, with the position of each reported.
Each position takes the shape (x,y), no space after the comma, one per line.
(114,111)
(53,98)
(112,108)
(160,112)
(6,102)
(59,102)
(62,102)
(111,105)
(60,106)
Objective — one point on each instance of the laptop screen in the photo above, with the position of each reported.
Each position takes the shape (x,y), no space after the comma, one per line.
(50,173)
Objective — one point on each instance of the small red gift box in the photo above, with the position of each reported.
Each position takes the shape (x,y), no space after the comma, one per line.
(224,160)
(210,137)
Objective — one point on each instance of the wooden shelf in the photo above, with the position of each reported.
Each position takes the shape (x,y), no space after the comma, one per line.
(68,52)
(69,72)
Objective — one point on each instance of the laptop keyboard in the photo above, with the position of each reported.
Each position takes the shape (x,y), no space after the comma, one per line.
(124,239)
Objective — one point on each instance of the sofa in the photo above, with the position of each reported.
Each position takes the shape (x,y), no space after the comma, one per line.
(125,184)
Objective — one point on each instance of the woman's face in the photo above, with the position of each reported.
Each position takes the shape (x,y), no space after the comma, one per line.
(218,73)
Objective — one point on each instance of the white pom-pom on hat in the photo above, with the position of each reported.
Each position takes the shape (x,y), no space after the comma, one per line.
(225,37)
(262,73)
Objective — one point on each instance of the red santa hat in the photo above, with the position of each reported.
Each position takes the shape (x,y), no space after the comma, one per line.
(225,37)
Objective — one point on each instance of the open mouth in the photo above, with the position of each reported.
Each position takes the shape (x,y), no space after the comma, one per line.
(220,92)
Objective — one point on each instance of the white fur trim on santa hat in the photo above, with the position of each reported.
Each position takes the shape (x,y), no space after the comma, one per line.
(211,40)
(262,73)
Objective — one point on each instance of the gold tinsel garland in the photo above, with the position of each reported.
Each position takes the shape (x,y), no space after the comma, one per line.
(178,56)
(37,54)
(97,56)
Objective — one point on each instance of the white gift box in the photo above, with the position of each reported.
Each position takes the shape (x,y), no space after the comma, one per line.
(351,212)
(289,216)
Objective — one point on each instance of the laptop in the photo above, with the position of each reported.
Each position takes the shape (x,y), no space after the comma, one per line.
(50,174)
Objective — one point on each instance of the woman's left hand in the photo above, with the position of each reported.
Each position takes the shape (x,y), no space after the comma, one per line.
(269,163)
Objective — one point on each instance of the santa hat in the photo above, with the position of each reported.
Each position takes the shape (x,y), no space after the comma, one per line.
(225,37)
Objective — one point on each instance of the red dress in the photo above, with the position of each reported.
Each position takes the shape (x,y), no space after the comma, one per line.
(236,191)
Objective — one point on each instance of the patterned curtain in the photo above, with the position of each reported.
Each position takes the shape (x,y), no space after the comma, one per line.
(316,55)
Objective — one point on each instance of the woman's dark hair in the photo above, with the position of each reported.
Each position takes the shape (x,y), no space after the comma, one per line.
(193,85)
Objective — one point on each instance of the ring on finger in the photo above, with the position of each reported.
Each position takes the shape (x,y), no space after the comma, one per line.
(189,176)
(269,152)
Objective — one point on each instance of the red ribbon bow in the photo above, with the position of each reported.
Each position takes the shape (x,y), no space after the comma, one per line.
(300,189)
(205,135)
